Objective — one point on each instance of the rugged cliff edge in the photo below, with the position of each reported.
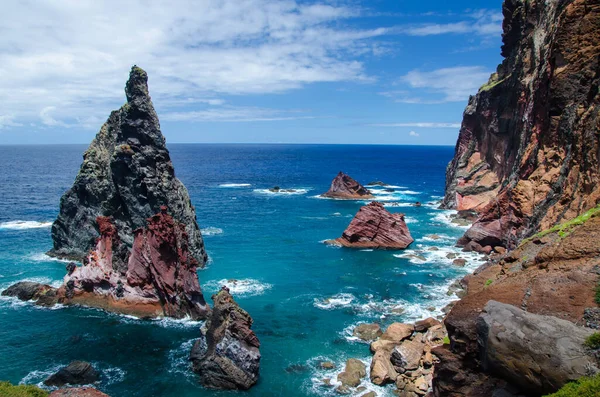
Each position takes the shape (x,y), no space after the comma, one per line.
(527,153)
(126,175)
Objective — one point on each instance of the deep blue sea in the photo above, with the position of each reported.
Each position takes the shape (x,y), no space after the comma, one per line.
(304,296)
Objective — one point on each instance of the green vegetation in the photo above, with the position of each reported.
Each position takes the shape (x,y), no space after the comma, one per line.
(488,281)
(492,82)
(8,390)
(564,229)
(446,340)
(593,341)
(597,297)
(583,387)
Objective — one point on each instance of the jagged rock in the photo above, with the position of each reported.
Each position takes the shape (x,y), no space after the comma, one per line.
(228,355)
(382,370)
(126,175)
(393,335)
(374,227)
(367,332)
(41,294)
(354,371)
(76,373)
(158,278)
(344,187)
(538,353)
(527,153)
(407,356)
(78,392)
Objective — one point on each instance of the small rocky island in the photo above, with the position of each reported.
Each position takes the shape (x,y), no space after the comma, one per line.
(375,227)
(345,187)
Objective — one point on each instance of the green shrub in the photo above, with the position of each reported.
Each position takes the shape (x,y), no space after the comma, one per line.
(597,296)
(8,390)
(488,281)
(446,340)
(593,341)
(583,387)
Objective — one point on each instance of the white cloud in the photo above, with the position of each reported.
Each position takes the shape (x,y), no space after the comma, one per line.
(235,114)
(62,62)
(446,85)
(418,125)
(412,133)
(481,23)
(8,121)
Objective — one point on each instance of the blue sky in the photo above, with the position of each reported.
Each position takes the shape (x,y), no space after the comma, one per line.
(286,71)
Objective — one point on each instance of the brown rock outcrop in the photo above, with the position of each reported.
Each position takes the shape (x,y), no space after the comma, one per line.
(78,392)
(375,227)
(158,278)
(228,356)
(527,153)
(345,187)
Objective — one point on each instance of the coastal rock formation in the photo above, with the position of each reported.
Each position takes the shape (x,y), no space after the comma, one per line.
(554,274)
(375,227)
(41,294)
(126,175)
(76,373)
(345,187)
(228,356)
(78,392)
(157,278)
(527,155)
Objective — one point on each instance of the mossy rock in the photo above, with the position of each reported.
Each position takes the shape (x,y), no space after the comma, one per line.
(8,390)
(584,387)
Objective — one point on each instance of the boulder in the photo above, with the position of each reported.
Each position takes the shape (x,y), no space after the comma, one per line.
(354,371)
(41,294)
(126,175)
(424,325)
(382,370)
(459,262)
(367,332)
(76,373)
(345,187)
(374,227)
(538,353)
(407,356)
(393,335)
(227,356)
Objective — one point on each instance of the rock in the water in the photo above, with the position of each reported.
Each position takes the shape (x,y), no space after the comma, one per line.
(127,175)
(382,370)
(228,356)
(377,183)
(354,371)
(538,353)
(459,262)
(157,278)
(76,373)
(78,392)
(367,332)
(41,294)
(345,187)
(374,227)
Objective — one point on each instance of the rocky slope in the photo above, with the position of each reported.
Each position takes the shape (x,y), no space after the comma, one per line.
(127,175)
(527,153)
(345,187)
(228,356)
(375,227)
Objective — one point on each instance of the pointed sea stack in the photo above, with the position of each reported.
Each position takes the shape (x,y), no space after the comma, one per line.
(156,279)
(126,175)
(375,227)
(228,356)
(345,187)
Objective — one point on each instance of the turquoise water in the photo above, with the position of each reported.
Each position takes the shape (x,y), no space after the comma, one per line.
(304,297)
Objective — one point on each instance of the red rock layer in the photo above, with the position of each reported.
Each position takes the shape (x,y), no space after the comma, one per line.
(375,227)
(527,153)
(345,187)
(78,392)
(158,278)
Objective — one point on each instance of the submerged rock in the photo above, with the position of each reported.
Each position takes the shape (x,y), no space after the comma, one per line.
(345,187)
(374,227)
(228,356)
(158,278)
(354,371)
(76,373)
(126,175)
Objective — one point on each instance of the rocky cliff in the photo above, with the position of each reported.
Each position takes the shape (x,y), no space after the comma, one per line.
(126,175)
(527,153)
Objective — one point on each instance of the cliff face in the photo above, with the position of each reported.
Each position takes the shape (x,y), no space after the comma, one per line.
(127,175)
(527,153)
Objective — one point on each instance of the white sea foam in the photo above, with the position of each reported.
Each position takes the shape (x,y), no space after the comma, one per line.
(234,185)
(243,287)
(282,192)
(24,225)
(396,204)
(211,231)
(38,377)
(408,219)
(335,301)
(42,257)
(108,375)
(445,217)
(179,361)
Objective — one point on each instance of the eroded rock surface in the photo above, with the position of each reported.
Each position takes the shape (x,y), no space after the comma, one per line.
(126,175)
(345,187)
(76,373)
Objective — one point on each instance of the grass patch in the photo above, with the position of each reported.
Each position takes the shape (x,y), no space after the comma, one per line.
(492,82)
(597,296)
(8,390)
(446,340)
(583,387)
(488,282)
(593,341)
(564,229)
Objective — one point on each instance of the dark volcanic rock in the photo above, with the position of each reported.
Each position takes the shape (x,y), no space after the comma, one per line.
(345,187)
(374,227)
(158,278)
(42,294)
(127,175)
(228,356)
(76,373)
(527,153)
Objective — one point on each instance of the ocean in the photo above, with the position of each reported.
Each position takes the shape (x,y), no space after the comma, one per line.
(305,297)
